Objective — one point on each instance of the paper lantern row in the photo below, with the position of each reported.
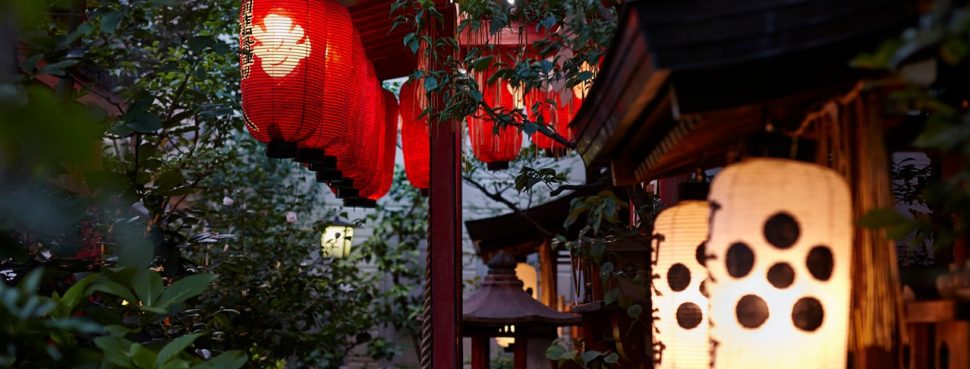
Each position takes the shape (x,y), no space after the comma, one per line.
(310,93)
(758,276)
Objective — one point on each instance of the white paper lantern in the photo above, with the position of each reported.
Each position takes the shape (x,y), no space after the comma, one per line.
(780,251)
(680,317)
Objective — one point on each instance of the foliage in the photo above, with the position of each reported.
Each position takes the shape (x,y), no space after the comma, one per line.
(941,39)
(563,354)
(104,318)
(158,172)
(400,227)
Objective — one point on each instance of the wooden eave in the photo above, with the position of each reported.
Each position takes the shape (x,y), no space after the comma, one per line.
(653,111)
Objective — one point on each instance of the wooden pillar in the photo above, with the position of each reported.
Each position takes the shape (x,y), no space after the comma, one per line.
(520,353)
(548,277)
(480,359)
(444,226)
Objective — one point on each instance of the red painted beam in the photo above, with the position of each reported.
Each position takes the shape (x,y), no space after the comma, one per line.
(444,230)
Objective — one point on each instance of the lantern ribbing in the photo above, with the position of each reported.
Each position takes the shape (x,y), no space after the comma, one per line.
(415,137)
(282,66)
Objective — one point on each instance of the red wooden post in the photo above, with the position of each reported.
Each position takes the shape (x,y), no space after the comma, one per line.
(480,352)
(444,229)
(520,354)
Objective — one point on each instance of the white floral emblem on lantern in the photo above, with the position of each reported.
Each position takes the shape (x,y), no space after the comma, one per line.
(778,257)
(282,45)
(680,317)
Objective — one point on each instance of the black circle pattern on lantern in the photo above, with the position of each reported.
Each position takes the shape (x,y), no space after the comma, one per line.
(740,260)
(781,230)
(689,315)
(701,253)
(808,314)
(703,289)
(820,262)
(678,277)
(781,275)
(751,311)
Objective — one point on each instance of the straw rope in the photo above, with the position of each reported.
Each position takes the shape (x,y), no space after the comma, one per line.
(850,141)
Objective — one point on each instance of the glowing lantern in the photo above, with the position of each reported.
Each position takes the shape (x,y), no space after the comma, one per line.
(415,136)
(779,255)
(283,68)
(556,117)
(347,148)
(496,147)
(336,239)
(505,336)
(365,156)
(338,87)
(384,147)
(680,316)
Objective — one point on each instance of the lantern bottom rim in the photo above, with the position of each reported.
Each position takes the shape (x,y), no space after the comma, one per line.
(278,149)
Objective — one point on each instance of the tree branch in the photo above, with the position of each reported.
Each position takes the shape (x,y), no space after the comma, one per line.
(511,205)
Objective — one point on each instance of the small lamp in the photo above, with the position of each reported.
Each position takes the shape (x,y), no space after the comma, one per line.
(506,341)
(336,239)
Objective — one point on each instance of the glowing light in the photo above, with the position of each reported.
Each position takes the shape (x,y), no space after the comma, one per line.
(336,239)
(581,90)
(282,45)
(779,255)
(505,342)
(681,316)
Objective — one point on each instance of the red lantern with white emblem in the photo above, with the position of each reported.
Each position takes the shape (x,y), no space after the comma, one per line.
(415,137)
(338,88)
(283,68)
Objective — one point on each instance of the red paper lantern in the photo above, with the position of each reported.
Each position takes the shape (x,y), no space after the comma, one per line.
(496,147)
(555,114)
(283,68)
(388,147)
(362,157)
(415,136)
(338,88)
(346,149)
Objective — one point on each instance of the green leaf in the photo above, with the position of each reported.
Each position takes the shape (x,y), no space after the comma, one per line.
(142,356)
(606,269)
(114,288)
(589,356)
(610,297)
(186,288)
(555,352)
(115,350)
(169,179)
(172,349)
(198,44)
(110,21)
(228,360)
(612,358)
(148,286)
(881,218)
(430,83)
(57,69)
(634,311)
(74,294)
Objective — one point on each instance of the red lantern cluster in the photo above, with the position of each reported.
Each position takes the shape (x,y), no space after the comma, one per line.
(415,137)
(310,92)
(493,144)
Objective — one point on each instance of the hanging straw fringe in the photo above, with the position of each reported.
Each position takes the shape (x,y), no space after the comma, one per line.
(850,141)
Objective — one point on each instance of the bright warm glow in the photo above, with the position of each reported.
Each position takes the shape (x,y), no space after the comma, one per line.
(530,278)
(780,249)
(581,90)
(681,308)
(506,341)
(282,45)
(518,95)
(336,241)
